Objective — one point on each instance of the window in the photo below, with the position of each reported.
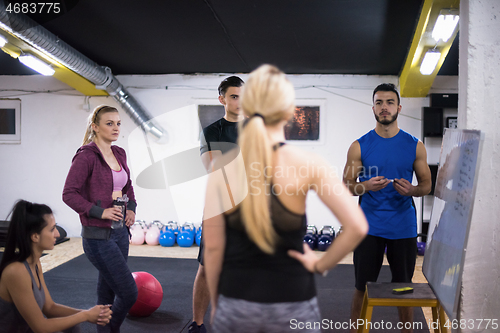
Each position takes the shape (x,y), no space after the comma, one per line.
(10,121)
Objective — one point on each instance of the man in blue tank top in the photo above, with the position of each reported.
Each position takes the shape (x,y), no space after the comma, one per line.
(215,140)
(379,169)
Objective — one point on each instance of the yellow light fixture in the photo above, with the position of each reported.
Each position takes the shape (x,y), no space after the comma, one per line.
(3,41)
(16,47)
(445,25)
(412,80)
(36,64)
(431,59)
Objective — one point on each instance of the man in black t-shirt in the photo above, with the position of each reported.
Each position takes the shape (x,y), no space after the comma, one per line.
(215,140)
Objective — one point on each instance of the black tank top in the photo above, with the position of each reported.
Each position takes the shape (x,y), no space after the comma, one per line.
(250,274)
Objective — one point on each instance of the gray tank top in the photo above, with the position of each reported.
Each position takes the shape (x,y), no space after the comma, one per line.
(11,320)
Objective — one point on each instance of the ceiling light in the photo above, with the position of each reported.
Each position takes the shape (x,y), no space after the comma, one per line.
(3,41)
(36,64)
(430,62)
(445,25)
(5,27)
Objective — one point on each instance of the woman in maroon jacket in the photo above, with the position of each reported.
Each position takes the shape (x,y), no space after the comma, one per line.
(97,180)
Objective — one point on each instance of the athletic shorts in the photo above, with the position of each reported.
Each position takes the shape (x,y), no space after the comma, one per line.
(369,256)
(237,315)
(200,251)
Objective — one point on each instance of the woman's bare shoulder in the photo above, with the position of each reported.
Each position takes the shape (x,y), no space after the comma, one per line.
(299,156)
(14,271)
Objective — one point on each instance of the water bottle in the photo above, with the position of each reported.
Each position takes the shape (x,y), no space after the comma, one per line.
(120,202)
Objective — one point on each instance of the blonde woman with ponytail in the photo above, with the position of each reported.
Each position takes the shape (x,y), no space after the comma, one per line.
(260,274)
(99,180)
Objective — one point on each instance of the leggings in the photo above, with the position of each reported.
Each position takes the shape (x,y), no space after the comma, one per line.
(237,315)
(115,284)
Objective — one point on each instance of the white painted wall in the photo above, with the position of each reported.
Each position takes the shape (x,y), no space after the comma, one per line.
(53,125)
(479,108)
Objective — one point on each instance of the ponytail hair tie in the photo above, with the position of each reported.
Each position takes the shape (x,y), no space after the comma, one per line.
(245,122)
(258,115)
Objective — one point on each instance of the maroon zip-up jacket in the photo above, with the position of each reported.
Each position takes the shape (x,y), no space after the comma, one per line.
(89,185)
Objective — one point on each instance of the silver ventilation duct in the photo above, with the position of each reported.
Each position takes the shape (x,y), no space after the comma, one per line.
(37,36)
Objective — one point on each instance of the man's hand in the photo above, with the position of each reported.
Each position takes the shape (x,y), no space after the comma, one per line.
(376,183)
(403,187)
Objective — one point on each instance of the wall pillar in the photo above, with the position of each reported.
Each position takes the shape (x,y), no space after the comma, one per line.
(479,108)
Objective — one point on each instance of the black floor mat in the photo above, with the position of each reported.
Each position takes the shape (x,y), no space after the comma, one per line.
(74,284)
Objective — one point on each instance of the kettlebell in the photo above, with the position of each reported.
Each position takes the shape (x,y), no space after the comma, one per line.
(137,233)
(198,236)
(420,248)
(135,225)
(311,237)
(326,238)
(185,238)
(174,226)
(190,227)
(167,237)
(153,233)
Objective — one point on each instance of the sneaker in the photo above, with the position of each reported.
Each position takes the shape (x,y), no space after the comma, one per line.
(194,328)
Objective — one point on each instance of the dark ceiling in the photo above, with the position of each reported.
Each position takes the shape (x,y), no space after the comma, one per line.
(369,37)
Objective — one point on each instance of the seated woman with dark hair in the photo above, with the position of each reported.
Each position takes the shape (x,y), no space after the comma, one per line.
(25,302)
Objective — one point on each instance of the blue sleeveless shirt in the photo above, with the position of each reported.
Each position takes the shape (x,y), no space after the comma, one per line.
(389,214)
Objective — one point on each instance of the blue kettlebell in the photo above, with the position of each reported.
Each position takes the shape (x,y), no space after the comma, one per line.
(326,238)
(173,226)
(167,238)
(421,248)
(185,238)
(311,237)
(198,236)
(189,226)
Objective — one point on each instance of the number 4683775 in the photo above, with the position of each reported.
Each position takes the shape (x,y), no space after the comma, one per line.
(34,8)
(472,324)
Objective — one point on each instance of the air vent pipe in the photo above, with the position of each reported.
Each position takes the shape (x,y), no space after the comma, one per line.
(40,38)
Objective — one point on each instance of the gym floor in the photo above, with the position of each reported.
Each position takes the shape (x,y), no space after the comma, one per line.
(73,248)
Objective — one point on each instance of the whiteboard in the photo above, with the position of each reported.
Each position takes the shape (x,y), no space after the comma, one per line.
(451,214)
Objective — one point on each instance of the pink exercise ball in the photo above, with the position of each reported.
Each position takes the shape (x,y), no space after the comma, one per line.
(149,297)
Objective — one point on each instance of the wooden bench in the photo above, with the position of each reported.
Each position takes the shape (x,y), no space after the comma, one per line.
(380,294)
